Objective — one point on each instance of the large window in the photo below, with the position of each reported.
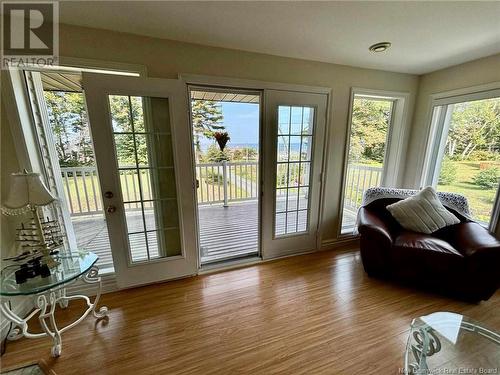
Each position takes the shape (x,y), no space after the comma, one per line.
(466,153)
(370,123)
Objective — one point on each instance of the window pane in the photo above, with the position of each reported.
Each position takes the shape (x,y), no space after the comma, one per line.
(302,221)
(306,149)
(120,113)
(295,148)
(369,126)
(137,113)
(130,185)
(281,175)
(303,197)
(125,150)
(279,224)
(291,222)
(283,120)
(283,145)
(141,146)
(296,121)
(471,162)
(307,121)
(294,153)
(138,249)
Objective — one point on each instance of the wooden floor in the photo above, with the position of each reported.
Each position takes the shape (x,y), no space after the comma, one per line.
(225,232)
(310,314)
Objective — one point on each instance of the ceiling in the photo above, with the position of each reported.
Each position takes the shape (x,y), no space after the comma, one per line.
(425,36)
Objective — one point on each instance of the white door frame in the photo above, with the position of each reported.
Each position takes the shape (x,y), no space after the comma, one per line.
(97,88)
(230,82)
(209,88)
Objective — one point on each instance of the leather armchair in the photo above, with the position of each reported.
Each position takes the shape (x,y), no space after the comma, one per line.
(462,259)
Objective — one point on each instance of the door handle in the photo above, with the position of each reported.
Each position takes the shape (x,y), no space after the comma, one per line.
(197,184)
(108,194)
(111,209)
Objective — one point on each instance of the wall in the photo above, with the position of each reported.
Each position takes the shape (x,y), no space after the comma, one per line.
(8,165)
(166,59)
(474,73)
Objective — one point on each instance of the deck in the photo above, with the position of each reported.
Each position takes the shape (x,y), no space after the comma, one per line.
(225,233)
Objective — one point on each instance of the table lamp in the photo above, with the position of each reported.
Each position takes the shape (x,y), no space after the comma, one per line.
(26,193)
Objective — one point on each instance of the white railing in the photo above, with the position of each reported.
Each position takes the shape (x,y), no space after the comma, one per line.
(222,182)
(359,178)
(226,181)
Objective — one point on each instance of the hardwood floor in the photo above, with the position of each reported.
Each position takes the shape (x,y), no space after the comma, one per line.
(311,314)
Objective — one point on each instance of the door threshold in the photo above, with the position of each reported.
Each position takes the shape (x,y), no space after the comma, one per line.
(229,264)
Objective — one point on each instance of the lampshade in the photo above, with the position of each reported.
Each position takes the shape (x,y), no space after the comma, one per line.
(27,189)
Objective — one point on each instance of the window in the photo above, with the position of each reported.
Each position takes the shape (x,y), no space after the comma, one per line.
(370,123)
(465,152)
(294,150)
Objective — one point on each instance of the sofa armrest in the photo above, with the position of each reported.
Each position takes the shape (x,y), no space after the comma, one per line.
(471,239)
(371,224)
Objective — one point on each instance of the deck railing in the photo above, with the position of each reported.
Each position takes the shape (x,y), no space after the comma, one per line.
(226,181)
(222,182)
(359,178)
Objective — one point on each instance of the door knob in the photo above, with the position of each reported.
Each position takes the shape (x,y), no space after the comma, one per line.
(111,209)
(108,194)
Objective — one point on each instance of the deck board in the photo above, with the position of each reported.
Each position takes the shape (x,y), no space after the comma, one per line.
(225,232)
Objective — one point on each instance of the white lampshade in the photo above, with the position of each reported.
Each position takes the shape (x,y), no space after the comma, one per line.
(27,189)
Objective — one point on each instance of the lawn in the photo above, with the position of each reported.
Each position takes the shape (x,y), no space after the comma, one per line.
(481,200)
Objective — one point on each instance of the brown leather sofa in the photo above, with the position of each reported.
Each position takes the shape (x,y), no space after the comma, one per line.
(462,259)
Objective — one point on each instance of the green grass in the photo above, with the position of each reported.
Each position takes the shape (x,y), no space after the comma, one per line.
(481,200)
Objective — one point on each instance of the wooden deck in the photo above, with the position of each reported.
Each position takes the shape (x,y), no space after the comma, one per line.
(225,232)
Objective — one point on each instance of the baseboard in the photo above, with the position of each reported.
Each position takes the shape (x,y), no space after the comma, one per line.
(347,243)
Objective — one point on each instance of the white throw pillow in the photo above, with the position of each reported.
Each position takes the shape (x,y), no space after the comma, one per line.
(422,213)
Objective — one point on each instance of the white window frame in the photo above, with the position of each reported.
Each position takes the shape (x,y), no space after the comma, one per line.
(394,157)
(438,120)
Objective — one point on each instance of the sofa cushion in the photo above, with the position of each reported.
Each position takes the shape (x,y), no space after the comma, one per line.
(424,242)
(422,212)
(416,255)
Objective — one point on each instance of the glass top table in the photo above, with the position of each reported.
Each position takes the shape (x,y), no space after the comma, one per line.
(70,268)
(449,343)
(50,292)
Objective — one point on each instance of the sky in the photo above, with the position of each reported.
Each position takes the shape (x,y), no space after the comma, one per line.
(242,123)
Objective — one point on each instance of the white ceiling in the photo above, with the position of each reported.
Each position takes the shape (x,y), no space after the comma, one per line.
(425,36)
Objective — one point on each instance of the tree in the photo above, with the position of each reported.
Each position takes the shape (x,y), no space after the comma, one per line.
(207,118)
(70,126)
(370,120)
(474,127)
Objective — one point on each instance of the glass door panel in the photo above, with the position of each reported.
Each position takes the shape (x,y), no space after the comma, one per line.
(294,143)
(144,165)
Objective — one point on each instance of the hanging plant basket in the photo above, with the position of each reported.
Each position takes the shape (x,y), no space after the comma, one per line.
(222,138)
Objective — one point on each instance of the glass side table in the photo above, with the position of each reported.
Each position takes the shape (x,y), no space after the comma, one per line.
(49,292)
(449,343)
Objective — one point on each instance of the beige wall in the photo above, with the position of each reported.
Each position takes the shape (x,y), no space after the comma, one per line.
(474,73)
(8,165)
(164,58)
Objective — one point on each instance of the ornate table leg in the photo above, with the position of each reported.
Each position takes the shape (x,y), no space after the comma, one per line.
(92,277)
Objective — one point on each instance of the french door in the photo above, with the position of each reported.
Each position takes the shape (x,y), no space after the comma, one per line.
(293,144)
(142,141)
